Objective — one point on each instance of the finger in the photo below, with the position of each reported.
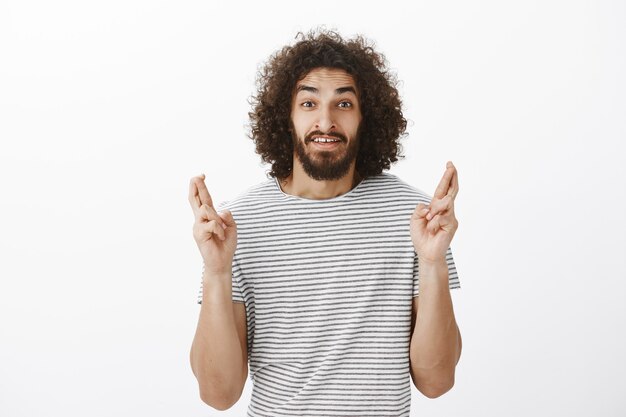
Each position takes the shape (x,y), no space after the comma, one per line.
(203,192)
(227,217)
(454,188)
(421,210)
(434,225)
(455,184)
(194,199)
(444,184)
(207,230)
(445,220)
(440,206)
(207,213)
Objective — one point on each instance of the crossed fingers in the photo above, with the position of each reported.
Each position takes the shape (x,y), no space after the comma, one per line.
(202,206)
(198,193)
(448,188)
(449,184)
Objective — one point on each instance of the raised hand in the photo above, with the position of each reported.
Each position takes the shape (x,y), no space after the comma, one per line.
(214,233)
(433,226)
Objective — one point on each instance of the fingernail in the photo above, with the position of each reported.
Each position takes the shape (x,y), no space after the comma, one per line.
(223,225)
(429,216)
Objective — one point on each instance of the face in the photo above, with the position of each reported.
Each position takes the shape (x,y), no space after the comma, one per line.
(325,105)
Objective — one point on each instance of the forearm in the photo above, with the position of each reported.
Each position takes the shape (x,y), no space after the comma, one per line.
(436,341)
(216,356)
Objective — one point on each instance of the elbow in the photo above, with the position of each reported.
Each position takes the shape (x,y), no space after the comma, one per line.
(218,401)
(436,390)
(434,386)
(221,395)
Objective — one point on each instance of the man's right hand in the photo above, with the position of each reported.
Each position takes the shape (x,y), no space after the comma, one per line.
(214,233)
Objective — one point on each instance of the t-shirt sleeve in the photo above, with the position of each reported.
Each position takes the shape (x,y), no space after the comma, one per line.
(237,296)
(453,278)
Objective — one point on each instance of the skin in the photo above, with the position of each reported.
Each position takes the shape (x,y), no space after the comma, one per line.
(326,112)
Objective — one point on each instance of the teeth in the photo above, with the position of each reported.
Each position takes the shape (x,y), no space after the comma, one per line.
(323,140)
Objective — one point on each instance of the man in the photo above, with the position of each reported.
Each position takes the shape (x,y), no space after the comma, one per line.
(313,275)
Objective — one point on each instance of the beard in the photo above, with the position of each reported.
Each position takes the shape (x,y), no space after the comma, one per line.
(324,165)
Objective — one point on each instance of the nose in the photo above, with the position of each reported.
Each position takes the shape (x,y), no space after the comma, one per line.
(325,123)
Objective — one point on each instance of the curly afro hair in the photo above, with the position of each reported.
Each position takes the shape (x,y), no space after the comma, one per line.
(383,124)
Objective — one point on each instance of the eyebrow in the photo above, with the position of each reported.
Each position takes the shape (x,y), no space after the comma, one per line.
(314,90)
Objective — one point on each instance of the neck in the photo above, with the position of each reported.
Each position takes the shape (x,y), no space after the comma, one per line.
(299,184)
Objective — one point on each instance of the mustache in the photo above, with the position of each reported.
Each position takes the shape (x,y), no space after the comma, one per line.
(335,135)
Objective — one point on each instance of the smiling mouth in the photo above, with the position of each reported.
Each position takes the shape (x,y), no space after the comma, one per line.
(326,145)
(325,139)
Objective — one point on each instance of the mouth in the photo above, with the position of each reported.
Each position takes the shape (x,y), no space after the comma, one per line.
(325,142)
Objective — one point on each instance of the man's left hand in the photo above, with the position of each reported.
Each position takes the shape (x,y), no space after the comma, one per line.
(433,226)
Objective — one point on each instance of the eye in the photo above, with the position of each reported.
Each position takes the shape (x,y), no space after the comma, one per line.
(345,102)
(308,101)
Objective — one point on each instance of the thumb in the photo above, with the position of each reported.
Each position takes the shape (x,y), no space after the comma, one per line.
(421,210)
(227,216)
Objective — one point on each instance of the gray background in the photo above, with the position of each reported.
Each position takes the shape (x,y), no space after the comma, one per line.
(108,108)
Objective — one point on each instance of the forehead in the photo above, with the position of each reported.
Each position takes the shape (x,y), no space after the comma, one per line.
(330,77)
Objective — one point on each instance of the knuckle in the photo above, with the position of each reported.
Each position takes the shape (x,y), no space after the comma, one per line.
(208,230)
(215,226)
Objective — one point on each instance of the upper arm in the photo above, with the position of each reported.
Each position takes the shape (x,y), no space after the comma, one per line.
(242,332)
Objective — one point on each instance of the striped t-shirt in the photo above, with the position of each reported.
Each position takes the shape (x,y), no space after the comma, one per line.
(328,288)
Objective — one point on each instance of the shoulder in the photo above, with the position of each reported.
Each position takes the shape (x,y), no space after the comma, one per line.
(398,187)
(251,197)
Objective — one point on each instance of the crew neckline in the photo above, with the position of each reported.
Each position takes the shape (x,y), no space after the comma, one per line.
(311,200)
